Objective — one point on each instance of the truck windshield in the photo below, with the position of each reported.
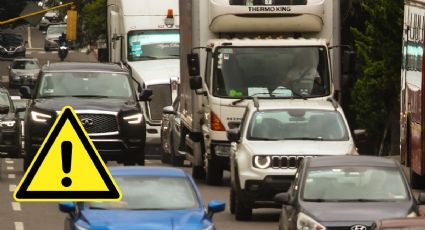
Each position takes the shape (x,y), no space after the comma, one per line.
(270,72)
(151,45)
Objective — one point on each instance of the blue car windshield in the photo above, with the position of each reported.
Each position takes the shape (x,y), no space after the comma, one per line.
(152,193)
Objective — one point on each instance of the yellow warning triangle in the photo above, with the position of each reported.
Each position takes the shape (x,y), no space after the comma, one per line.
(67,167)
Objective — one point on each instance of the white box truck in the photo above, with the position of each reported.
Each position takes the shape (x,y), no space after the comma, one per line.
(271,49)
(144,35)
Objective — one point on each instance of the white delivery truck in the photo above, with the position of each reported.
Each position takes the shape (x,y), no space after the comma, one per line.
(238,49)
(144,35)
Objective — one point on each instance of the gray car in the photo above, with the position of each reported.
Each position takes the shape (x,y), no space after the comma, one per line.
(170,134)
(52,36)
(49,17)
(23,71)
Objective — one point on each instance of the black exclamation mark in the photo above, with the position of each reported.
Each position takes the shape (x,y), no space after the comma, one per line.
(66,148)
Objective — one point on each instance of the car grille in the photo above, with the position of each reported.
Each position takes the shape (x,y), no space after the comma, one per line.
(99,123)
(287,161)
(267,2)
(161,97)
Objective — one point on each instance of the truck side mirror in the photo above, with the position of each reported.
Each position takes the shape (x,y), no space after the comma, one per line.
(193,64)
(195,82)
(25,92)
(348,62)
(145,95)
(103,55)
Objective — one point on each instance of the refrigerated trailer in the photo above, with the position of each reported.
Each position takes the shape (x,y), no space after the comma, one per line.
(249,49)
(412,136)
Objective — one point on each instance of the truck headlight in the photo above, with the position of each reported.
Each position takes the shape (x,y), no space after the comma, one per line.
(39,117)
(134,119)
(305,222)
(7,123)
(262,162)
(222,150)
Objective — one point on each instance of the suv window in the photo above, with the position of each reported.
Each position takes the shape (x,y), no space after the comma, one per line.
(85,84)
(56,29)
(4,99)
(26,64)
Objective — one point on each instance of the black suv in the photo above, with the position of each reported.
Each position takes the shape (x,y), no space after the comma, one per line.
(103,97)
(12,45)
(10,126)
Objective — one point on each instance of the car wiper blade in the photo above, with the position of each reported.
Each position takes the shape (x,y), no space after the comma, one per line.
(99,208)
(263,139)
(249,97)
(295,93)
(305,138)
(367,200)
(94,96)
(148,57)
(53,96)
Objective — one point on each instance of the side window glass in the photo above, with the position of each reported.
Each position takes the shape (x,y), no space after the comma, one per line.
(208,69)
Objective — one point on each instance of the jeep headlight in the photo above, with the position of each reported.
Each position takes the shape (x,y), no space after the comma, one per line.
(7,123)
(262,162)
(134,119)
(39,117)
(305,222)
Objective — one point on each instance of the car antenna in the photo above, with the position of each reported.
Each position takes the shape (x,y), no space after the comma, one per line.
(256,103)
(334,103)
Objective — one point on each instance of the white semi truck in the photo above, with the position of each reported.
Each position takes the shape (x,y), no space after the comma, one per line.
(144,35)
(233,50)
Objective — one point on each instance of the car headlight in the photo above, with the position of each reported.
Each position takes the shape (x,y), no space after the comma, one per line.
(210,227)
(39,117)
(19,48)
(7,123)
(222,150)
(353,151)
(305,222)
(412,215)
(262,162)
(134,119)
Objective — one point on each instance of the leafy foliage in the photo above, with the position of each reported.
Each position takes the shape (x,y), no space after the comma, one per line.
(378,46)
(94,20)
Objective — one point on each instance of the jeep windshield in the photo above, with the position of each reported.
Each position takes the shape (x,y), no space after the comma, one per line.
(85,84)
(240,72)
(153,45)
(297,124)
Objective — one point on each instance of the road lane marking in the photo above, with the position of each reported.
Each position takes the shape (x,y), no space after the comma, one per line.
(12,187)
(9,161)
(11,176)
(10,168)
(29,37)
(19,226)
(16,206)
(149,162)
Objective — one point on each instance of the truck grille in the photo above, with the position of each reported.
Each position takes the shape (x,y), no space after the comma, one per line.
(267,2)
(287,161)
(99,123)
(161,97)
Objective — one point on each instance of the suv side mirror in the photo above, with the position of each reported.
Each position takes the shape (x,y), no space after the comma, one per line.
(193,64)
(168,110)
(282,198)
(234,135)
(145,95)
(67,207)
(195,83)
(25,92)
(4,109)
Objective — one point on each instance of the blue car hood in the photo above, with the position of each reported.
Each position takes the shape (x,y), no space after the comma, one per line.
(136,220)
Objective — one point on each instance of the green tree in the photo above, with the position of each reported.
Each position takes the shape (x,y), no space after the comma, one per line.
(94,20)
(378,46)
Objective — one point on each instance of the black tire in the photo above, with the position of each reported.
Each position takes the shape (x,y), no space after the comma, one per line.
(198,172)
(232,200)
(242,211)
(214,172)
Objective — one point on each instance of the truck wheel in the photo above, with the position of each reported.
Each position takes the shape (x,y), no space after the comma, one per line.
(232,200)
(417,181)
(242,212)
(198,172)
(214,172)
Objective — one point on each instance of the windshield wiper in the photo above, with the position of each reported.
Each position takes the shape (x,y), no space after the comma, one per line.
(305,138)
(294,93)
(148,57)
(263,139)
(98,208)
(249,97)
(367,200)
(93,96)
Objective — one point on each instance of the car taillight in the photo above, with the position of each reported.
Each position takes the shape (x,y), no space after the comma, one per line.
(216,124)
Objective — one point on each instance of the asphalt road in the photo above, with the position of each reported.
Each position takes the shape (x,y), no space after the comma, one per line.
(46,216)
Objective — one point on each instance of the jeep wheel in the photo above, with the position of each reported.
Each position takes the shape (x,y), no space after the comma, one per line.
(214,172)
(198,172)
(242,212)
